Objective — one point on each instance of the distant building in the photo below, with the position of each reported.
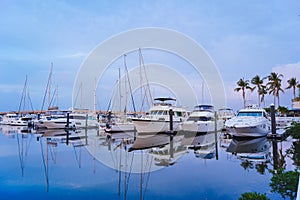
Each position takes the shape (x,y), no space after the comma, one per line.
(296,103)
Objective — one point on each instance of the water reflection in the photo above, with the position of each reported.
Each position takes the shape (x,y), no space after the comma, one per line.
(131,158)
(204,145)
(253,152)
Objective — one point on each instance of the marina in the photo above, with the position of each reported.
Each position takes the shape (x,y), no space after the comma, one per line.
(89,163)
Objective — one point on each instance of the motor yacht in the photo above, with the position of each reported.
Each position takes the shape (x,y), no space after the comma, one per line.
(202,119)
(249,122)
(158,119)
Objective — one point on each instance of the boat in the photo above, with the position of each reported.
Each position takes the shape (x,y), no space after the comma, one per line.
(118,124)
(26,120)
(202,120)
(249,122)
(9,118)
(158,119)
(76,120)
(225,113)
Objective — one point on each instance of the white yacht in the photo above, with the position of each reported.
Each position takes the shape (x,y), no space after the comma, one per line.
(26,120)
(76,120)
(202,119)
(225,113)
(158,119)
(9,118)
(249,122)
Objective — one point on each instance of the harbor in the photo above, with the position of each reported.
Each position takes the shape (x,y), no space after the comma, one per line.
(121,166)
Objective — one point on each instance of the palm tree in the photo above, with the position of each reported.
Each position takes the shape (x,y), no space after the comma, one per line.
(292,84)
(257,81)
(298,86)
(275,85)
(262,92)
(243,85)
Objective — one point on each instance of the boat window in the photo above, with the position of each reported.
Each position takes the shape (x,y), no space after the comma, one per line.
(179,114)
(165,112)
(153,112)
(77,117)
(160,112)
(254,114)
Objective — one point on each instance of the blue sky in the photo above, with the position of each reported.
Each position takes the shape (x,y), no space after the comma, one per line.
(244,38)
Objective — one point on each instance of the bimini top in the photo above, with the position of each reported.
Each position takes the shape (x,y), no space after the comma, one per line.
(164,99)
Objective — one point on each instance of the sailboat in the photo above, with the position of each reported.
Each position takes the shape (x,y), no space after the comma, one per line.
(122,122)
(24,119)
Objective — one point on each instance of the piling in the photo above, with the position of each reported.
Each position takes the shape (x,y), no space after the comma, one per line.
(273,121)
(171,113)
(67,128)
(86,120)
(171,146)
(216,135)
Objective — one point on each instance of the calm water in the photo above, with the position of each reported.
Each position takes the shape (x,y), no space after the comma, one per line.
(91,165)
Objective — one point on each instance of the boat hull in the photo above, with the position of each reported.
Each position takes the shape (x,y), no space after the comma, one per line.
(201,127)
(116,128)
(154,126)
(250,131)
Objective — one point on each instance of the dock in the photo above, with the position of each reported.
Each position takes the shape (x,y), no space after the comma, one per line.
(280,134)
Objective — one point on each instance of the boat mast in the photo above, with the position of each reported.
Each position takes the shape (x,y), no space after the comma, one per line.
(202,96)
(23,97)
(95,103)
(147,86)
(57,96)
(120,95)
(49,85)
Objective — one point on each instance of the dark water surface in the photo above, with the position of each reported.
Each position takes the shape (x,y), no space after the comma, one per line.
(89,164)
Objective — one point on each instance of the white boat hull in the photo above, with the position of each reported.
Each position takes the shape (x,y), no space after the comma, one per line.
(250,131)
(62,123)
(119,128)
(201,127)
(154,126)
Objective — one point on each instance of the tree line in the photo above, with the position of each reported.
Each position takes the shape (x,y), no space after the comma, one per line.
(271,84)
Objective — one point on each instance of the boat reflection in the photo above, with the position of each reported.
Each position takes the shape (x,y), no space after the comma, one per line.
(255,150)
(165,149)
(204,145)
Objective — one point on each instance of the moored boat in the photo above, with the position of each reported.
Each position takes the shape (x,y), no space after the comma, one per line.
(9,118)
(249,122)
(202,119)
(158,119)
(76,120)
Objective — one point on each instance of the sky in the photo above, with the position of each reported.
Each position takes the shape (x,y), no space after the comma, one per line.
(243,38)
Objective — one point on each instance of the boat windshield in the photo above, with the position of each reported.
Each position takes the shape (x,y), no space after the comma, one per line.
(254,114)
(204,108)
(204,119)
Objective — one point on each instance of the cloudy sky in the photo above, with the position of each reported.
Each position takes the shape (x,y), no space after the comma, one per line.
(243,38)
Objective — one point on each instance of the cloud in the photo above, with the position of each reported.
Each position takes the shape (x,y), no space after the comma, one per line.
(288,71)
